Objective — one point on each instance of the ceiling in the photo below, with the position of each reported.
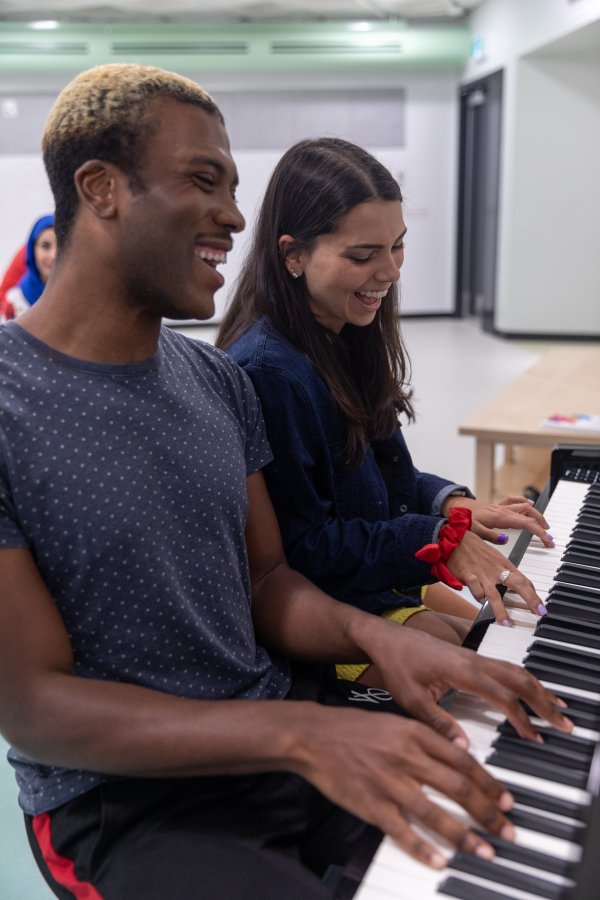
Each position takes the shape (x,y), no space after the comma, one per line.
(213,11)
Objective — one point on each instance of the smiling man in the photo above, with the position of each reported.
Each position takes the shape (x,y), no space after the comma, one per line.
(147,612)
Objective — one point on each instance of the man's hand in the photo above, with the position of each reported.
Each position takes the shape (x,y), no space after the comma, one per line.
(375,764)
(417,670)
(479,566)
(512,512)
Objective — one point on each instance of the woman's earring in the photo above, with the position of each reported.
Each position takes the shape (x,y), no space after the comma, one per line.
(293,274)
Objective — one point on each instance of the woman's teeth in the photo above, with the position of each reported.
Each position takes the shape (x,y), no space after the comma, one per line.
(377,294)
(212,257)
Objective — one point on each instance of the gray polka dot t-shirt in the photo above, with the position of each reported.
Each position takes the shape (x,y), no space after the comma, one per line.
(127,483)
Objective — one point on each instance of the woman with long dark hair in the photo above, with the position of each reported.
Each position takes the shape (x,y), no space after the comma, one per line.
(314,322)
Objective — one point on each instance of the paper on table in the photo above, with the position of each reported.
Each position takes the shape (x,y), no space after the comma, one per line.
(577,422)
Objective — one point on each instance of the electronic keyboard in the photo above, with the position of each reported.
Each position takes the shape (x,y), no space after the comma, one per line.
(555,785)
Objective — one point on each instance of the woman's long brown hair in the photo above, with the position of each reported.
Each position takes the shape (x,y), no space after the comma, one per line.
(315,184)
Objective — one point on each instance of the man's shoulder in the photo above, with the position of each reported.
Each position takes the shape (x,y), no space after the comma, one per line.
(209,362)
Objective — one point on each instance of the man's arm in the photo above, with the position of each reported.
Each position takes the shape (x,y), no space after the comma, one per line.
(295,617)
(372,764)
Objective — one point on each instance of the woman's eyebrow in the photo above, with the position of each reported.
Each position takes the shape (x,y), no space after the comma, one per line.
(375,246)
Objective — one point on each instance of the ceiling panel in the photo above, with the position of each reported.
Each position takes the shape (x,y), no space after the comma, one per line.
(230,10)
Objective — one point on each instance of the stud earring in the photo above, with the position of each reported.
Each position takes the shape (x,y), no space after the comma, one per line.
(293,274)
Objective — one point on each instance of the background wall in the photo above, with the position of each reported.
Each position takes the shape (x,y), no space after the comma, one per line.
(407,119)
(548,273)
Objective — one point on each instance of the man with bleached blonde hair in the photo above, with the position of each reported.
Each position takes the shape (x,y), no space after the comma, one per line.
(147,613)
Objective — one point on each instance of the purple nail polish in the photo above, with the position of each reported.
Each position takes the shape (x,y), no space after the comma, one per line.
(549,535)
(502,538)
(546,524)
(507,624)
(542,609)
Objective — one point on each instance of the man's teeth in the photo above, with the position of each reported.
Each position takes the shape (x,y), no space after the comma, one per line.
(216,256)
(377,294)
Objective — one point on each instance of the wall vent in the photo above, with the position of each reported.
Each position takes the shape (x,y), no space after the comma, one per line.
(48,48)
(176,47)
(338,48)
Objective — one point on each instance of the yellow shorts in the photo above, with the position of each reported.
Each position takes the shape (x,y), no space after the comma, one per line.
(400,614)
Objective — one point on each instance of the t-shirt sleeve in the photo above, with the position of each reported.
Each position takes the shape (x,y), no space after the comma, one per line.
(258,449)
(11,535)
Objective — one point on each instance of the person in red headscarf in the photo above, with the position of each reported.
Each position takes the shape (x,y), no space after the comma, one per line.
(12,276)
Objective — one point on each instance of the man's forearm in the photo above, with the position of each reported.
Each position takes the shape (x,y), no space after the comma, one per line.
(128,730)
(293,616)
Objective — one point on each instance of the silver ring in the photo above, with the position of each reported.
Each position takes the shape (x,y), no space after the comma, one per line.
(504,575)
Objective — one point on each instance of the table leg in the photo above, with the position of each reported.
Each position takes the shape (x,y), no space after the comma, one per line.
(484,470)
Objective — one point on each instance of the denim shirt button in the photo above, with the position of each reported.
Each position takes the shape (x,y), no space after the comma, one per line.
(403,508)
(395,458)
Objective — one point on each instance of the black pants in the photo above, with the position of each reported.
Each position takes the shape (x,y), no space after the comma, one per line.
(256,837)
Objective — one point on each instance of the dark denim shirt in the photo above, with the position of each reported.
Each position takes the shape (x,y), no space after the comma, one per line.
(353,533)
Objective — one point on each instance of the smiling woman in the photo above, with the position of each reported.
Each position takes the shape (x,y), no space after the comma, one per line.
(315,323)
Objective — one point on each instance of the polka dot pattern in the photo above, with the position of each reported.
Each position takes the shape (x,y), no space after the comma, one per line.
(127,483)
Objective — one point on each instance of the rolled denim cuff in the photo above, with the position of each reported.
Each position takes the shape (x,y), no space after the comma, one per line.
(438,500)
(435,537)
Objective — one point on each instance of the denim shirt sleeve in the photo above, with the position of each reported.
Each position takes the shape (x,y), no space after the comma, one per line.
(347,558)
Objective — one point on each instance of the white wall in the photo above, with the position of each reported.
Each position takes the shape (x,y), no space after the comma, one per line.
(426,167)
(26,196)
(552,273)
(547,279)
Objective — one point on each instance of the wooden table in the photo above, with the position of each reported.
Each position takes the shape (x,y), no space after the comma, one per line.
(564,380)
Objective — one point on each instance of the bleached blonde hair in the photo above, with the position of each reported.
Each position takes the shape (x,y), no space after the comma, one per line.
(101,115)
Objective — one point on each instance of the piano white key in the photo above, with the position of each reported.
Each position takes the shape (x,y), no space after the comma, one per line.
(394,875)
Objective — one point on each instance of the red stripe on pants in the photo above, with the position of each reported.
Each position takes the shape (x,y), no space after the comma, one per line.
(61,868)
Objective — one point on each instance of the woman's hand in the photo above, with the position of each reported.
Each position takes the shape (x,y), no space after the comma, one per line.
(479,566)
(512,512)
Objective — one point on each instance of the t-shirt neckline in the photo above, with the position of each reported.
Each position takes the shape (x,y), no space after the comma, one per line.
(83,365)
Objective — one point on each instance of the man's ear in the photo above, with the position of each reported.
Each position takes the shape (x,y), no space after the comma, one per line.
(291,255)
(98,184)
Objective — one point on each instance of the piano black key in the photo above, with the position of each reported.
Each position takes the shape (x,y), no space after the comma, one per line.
(553,738)
(580,611)
(485,868)
(556,652)
(579,595)
(567,831)
(561,774)
(571,575)
(570,677)
(464,890)
(534,858)
(575,558)
(537,800)
(568,630)
(553,755)
(585,533)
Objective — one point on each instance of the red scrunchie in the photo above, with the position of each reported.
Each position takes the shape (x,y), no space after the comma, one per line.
(450,537)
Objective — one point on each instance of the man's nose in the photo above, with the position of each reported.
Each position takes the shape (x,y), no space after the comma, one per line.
(229,216)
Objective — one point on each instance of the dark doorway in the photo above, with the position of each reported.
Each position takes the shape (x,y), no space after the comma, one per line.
(479,176)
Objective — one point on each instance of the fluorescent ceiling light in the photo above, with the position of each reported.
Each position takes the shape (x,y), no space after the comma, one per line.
(360,26)
(45,24)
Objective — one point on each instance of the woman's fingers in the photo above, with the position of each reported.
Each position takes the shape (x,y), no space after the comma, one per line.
(521,585)
(511,518)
